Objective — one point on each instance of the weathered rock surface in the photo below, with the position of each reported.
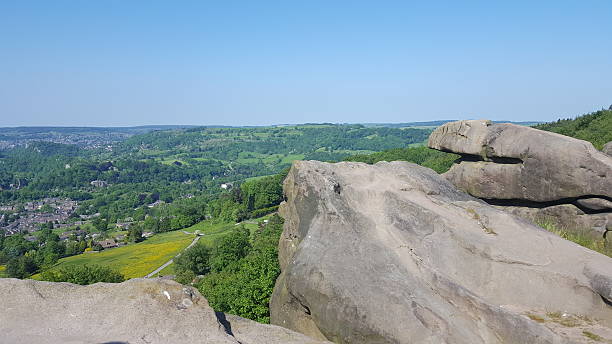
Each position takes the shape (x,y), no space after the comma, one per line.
(563,216)
(607,148)
(518,162)
(136,311)
(394,253)
(534,172)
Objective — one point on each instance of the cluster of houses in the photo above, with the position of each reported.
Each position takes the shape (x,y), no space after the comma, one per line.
(30,217)
(61,209)
(87,141)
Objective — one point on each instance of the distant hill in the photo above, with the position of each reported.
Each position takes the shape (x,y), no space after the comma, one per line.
(104,137)
(87,137)
(436,160)
(433,124)
(595,127)
(410,124)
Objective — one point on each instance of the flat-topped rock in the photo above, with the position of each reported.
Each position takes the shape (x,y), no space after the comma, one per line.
(508,161)
(138,311)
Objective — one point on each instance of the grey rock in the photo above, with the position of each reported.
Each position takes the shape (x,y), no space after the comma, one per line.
(250,332)
(136,311)
(394,253)
(518,162)
(595,203)
(607,148)
(564,216)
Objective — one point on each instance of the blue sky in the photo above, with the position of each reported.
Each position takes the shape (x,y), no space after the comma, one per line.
(253,62)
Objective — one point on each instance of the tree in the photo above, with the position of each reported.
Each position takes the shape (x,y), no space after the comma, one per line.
(83,274)
(135,233)
(244,286)
(195,259)
(46,208)
(100,224)
(21,267)
(230,248)
(151,224)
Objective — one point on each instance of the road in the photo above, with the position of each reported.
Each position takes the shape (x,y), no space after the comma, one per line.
(195,240)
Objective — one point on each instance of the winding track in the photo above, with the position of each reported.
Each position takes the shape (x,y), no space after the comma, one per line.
(195,240)
(198,236)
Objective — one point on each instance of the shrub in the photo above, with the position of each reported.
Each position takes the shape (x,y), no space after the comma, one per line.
(244,287)
(83,274)
(195,259)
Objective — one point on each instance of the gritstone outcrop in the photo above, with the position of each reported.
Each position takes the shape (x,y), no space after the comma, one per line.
(394,253)
(607,148)
(139,311)
(537,174)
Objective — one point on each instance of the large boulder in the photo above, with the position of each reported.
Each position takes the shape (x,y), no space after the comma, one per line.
(509,161)
(539,175)
(136,311)
(394,253)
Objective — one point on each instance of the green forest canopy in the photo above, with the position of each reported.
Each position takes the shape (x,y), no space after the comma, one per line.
(595,127)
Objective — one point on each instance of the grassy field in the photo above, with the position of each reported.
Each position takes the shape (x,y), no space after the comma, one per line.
(253,157)
(212,232)
(210,228)
(86,226)
(168,270)
(135,260)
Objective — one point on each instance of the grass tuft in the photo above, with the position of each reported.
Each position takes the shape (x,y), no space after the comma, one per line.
(592,336)
(585,238)
(482,224)
(566,320)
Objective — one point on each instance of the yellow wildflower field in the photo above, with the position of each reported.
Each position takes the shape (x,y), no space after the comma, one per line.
(135,260)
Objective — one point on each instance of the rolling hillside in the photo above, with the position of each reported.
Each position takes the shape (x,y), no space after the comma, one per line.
(595,127)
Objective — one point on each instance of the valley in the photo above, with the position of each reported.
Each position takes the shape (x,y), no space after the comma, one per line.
(313,172)
(196,205)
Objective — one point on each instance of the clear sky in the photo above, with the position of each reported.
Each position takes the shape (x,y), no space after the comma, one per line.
(116,62)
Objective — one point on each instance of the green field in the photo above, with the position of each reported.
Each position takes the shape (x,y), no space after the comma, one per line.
(216,229)
(213,231)
(209,227)
(86,226)
(168,270)
(253,157)
(135,260)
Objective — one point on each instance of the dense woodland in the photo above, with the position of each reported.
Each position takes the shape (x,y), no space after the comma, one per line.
(239,272)
(595,127)
(436,160)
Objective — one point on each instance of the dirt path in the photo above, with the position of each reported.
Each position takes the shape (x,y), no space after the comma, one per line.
(195,240)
